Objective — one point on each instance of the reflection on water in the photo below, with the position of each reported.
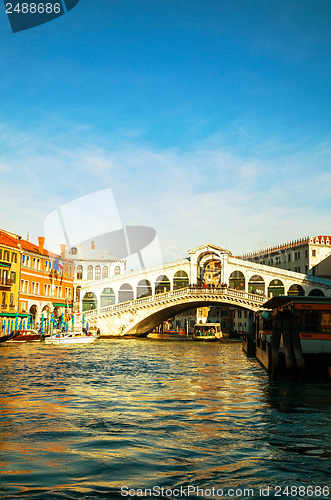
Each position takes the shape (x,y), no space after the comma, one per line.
(81,422)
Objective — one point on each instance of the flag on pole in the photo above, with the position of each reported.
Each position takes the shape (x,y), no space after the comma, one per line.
(58,265)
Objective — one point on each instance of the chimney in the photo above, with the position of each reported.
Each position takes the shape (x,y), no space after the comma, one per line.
(41,241)
(92,245)
(28,237)
(63,251)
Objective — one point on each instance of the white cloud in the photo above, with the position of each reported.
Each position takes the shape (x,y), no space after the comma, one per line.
(209,194)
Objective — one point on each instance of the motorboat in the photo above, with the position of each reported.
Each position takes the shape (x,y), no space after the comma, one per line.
(70,338)
(26,336)
(207,332)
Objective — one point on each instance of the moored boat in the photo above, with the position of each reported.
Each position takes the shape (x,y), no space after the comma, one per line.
(27,336)
(70,338)
(9,336)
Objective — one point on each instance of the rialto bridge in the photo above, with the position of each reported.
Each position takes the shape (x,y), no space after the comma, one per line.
(136,302)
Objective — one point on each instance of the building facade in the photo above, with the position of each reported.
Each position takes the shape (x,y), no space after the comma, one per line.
(92,264)
(44,282)
(10,263)
(310,256)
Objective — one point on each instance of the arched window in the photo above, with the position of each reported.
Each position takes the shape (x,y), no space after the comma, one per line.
(125,293)
(104,272)
(73,251)
(180,280)
(78,289)
(237,280)
(90,273)
(97,272)
(117,271)
(79,272)
(144,289)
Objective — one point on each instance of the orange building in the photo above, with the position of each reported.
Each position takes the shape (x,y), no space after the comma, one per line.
(10,264)
(45,282)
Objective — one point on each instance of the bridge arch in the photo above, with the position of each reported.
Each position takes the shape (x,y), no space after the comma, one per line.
(107,297)
(162,284)
(125,293)
(256,284)
(144,289)
(276,288)
(180,280)
(89,301)
(316,292)
(146,325)
(237,280)
(296,290)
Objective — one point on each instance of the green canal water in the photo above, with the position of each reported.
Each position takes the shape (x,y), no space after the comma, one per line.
(116,418)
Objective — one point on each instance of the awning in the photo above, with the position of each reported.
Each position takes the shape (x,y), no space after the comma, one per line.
(13,315)
(5,264)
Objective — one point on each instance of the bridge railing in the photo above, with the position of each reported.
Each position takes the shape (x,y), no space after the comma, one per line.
(191,291)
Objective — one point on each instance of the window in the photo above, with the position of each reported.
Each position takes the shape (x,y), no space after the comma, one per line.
(73,251)
(306,253)
(289,257)
(0,253)
(79,272)
(3,301)
(6,255)
(104,272)
(11,299)
(298,255)
(97,272)
(23,259)
(313,253)
(117,271)
(27,260)
(13,277)
(14,257)
(90,273)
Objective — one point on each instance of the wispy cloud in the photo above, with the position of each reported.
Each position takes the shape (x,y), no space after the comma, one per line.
(207,194)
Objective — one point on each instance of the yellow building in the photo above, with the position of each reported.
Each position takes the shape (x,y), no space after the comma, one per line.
(10,267)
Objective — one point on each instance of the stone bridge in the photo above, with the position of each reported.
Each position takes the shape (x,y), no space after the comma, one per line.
(140,316)
(149,296)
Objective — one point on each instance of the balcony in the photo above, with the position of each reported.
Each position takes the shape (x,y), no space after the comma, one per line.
(6,283)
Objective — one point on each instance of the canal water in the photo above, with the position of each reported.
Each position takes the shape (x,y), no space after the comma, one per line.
(116,418)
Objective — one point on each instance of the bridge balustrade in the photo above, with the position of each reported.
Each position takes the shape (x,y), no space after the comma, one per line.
(223,292)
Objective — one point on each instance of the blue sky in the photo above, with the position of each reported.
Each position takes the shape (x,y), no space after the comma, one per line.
(208,119)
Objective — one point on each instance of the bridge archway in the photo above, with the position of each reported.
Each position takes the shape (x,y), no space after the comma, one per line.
(296,291)
(125,293)
(144,289)
(256,284)
(152,320)
(276,288)
(89,301)
(162,284)
(180,280)
(237,280)
(316,293)
(107,297)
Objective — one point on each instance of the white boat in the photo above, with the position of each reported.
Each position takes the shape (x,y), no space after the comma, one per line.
(70,338)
